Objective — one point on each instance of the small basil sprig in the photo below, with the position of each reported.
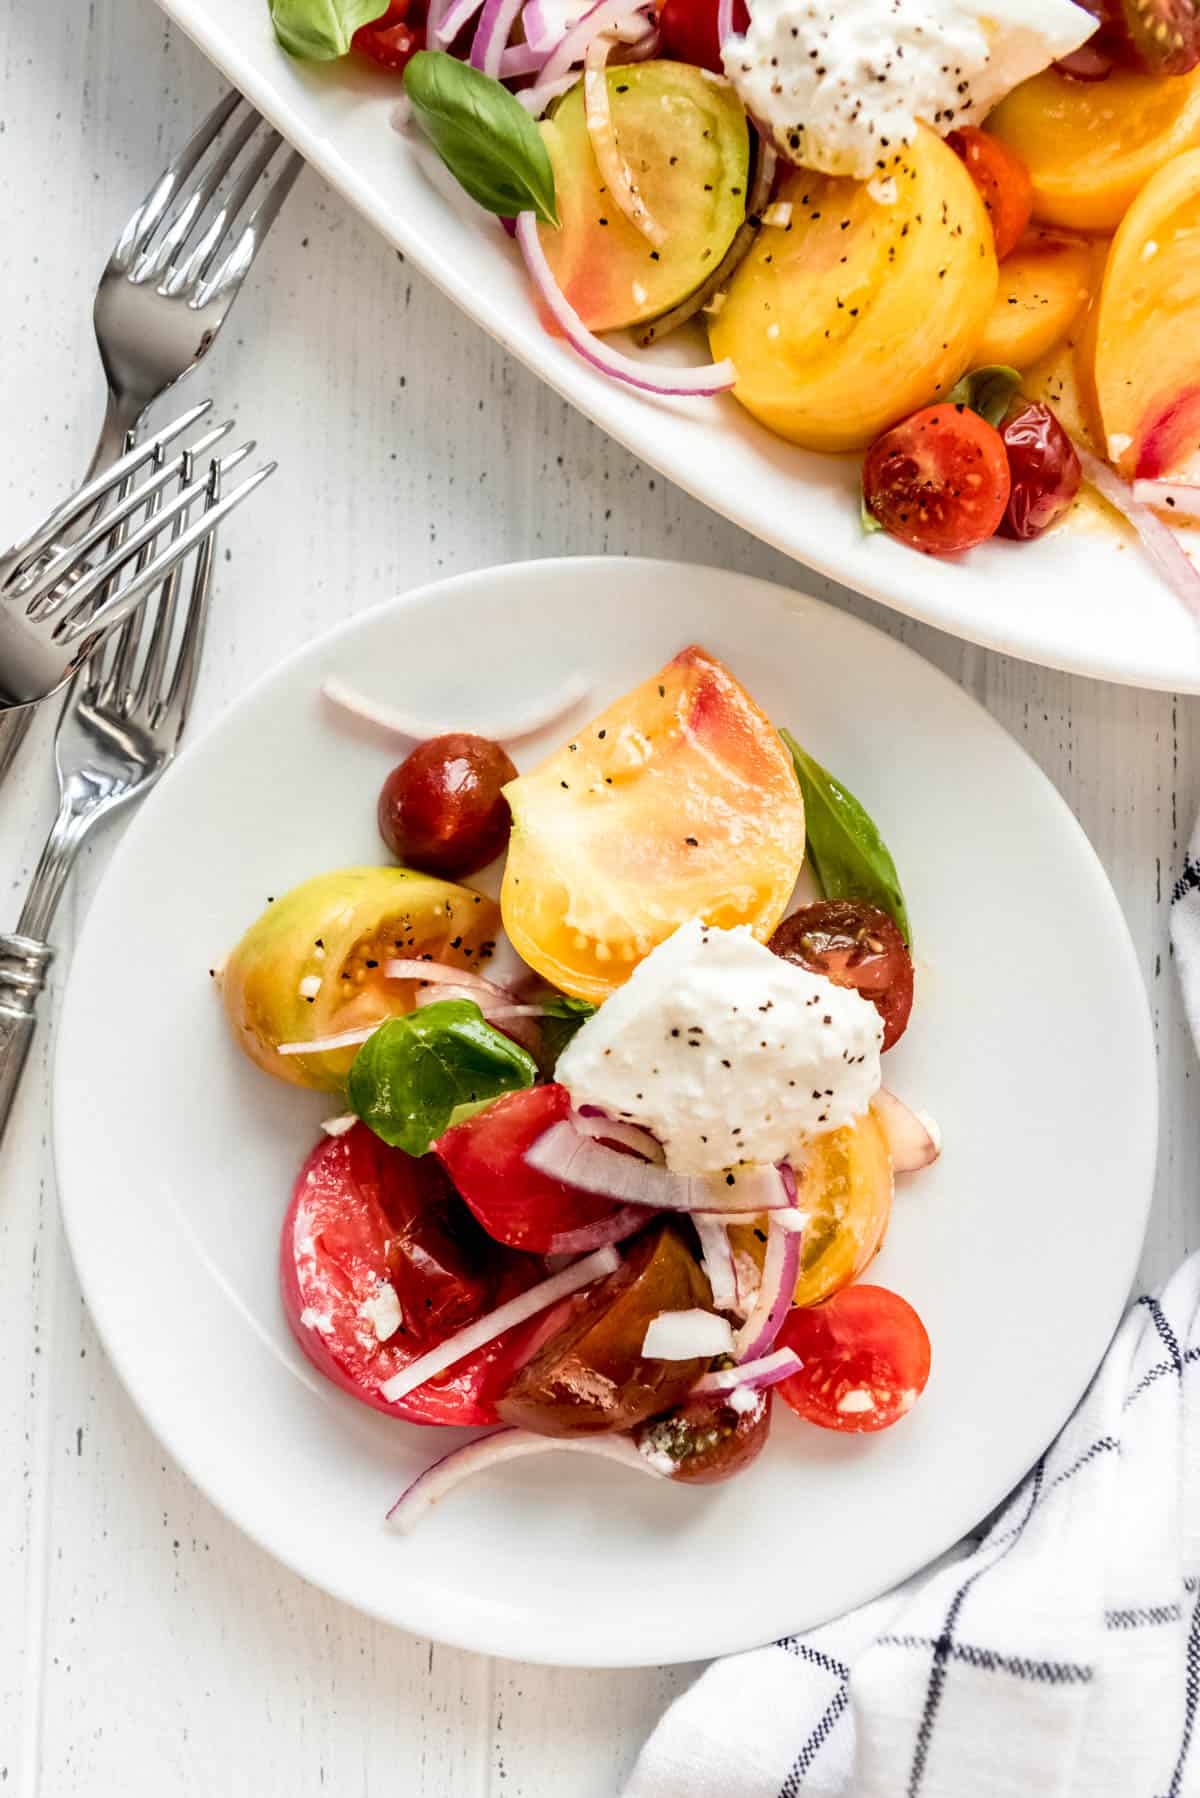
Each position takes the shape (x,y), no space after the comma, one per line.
(483,135)
(986,391)
(562,1017)
(409,1079)
(849,857)
(321,30)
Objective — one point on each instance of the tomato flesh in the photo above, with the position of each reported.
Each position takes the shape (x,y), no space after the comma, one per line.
(938,481)
(689,31)
(394,39)
(866,1360)
(366,1219)
(1003,182)
(857,945)
(706,1439)
(485,1158)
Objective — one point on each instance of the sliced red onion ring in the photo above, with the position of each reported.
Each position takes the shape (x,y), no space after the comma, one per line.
(495,24)
(767,1371)
(1158,539)
(321,1045)
(564,1154)
(520,59)
(716,1258)
(724,21)
(781,1268)
(485,1329)
(693,1335)
(456,16)
(435,972)
(1176,496)
(614,170)
(540,32)
(601,1128)
(624,1222)
(404,724)
(535,100)
(614,16)
(492,1451)
(717,377)
(913,1140)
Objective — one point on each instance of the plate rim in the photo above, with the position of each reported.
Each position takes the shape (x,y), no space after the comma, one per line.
(480,1635)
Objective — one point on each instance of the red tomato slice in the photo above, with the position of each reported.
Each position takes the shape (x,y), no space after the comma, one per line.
(853,944)
(485,1158)
(1003,182)
(866,1359)
(938,480)
(394,39)
(367,1220)
(689,31)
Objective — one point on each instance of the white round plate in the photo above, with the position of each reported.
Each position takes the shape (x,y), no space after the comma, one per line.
(176,1157)
(1080,599)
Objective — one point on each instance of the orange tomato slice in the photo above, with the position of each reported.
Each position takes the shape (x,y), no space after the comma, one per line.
(678,802)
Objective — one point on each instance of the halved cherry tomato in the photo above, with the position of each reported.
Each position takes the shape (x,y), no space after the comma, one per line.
(938,480)
(485,1158)
(853,944)
(589,1374)
(1160,37)
(394,39)
(1003,183)
(379,1261)
(689,31)
(1044,467)
(866,1359)
(706,1439)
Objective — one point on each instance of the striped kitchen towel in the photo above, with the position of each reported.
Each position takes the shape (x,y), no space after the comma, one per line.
(1055,1656)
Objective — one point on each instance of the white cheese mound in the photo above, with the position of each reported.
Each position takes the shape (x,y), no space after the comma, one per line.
(839,85)
(726,1052)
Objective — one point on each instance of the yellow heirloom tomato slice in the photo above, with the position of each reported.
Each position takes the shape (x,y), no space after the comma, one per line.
(1090,146)
(1043,289)
(680,801)
(864,302)
(312,965)
(1145,335)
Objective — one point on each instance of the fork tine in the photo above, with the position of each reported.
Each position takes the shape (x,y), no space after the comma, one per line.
(101,486)
(155,258)
(164,620)
(170,713)
(129,636)
(144,221)
(233,270)
(75,625)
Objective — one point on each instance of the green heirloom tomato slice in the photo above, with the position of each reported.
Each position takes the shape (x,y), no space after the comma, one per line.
(312,965)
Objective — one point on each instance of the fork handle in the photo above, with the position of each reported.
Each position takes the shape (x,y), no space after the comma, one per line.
(24,964)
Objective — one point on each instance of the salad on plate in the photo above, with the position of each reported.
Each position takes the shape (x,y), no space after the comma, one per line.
(609,1149)
(954,240)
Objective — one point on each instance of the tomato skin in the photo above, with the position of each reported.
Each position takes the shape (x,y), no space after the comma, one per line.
(689,31)
(394,39)
(939,480)
(1159,37)
(865,1340)
(857,945)
(442,809)
(1044,468)
(363,1214)
(1003,182)
(707,1439)
(485,1158)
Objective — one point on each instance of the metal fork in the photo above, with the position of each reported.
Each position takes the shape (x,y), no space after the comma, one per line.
(57,603)
(175,272)
(119,729)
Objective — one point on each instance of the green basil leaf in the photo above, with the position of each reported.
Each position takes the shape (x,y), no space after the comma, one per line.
(849,857)
(483,135)
(320,30)
(563,1017)
(986,391)
(867,518)
(408,1080)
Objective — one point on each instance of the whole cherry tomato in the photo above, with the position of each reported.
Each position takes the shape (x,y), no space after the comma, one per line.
(939,480)
(689,31)
(853,944)
(866,1359)
(1043,465)
(1003,183)
(442,810)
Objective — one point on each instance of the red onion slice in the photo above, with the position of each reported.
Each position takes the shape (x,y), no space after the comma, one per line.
(717,377)
(1176,496)
(601,1128)
(495,23)
(520,59)
(404,724)
(693,1335)
(724,21)
(614,16)
(624,1222)
(913,1141)
(565,1155)
(321,1045)
(440,972)
(459,14)
(614,170)
(493,1451)
(781,1269)
(716,1258)
(767,1371)
(485,1329)
(1158,540)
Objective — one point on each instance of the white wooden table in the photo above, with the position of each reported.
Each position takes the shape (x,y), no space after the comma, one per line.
(145,1647)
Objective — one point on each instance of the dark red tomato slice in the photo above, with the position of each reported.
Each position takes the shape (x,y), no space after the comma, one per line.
(485,1158)
(866,1359)
(1160,37)
(394,39)
(1003,182)
(380,1261)
(689,31)
(938,480)
(706,1440)
(1043,466)
(853,944)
